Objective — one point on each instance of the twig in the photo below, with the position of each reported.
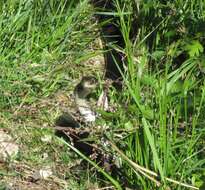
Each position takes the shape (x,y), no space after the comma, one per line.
(115,183)
(142,169)
(149,177)
(104,188)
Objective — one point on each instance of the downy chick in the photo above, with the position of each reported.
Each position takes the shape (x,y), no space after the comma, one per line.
(81,91)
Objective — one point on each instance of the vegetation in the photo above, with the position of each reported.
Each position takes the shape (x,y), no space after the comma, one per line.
(160,109)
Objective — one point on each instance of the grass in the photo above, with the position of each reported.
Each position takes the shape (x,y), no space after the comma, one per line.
(41,44)
(159,144)
(157,131)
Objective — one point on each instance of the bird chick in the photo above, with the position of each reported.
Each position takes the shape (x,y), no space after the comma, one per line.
(82,90)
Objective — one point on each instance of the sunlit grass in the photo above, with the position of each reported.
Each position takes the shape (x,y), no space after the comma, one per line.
(41,44)
(160,109)
(168,100)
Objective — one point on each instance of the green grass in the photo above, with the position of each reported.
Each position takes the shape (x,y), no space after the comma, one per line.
(157,132)
(42,43)
(167,96)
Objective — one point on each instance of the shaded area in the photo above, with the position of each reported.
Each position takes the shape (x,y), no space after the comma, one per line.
(111,34)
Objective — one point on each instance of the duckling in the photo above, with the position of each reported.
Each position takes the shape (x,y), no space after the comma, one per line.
(81,92)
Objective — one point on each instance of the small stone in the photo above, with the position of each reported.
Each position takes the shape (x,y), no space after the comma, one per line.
(46,138)
(42,174)
(8,149)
